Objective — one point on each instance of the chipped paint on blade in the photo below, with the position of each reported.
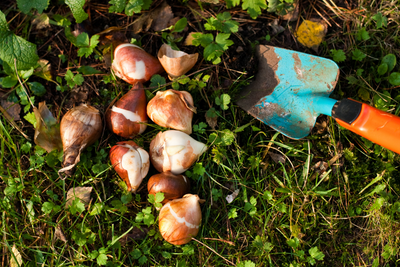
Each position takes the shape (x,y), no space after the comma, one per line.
(295,93)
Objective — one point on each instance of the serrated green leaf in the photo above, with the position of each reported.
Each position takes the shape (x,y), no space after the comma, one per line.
(362,35)
(381,21)
(316,253)
(30,117)
(117,6)
(76,7)
(102,259)
(199,169)
(47,207)
(15,47)
(223,40)
(133,6)
(338,55)
(27,5)
(232,3)
(246,264)
(254,7)
(82,39)
(77,206)
(227,137)
(159,197)
(358,55)
(222,23)
(294,242)
(97,208)
(136,253)
(157,80)
(202,39)
(142,260)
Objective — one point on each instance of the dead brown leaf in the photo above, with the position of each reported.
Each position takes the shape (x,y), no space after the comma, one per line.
(59,235)
(161,17)
(135,234)
(47,132)
(83,193)
(13,109)
(277,157)
(15,258)
(292,14)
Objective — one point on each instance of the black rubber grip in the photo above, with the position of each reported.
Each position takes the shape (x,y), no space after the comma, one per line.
(346,110)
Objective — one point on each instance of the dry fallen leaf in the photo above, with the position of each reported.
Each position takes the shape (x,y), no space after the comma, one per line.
(311,33)
(58,234)
(158,19)
(162,16)
(41,21)
(293,13)
(13,109)
(47,132)
(231,197)
(189,39)
(83,193)
(44,70)
(16,258)
(277,157)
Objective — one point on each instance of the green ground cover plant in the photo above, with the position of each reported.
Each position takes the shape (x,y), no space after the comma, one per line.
(330,199)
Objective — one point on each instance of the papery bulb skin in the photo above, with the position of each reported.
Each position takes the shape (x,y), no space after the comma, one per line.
(80,127)
(131,162)
(180,219)
(176,63)
(173,186)
(174,151)
(132,64)
(172,109)
(127,117)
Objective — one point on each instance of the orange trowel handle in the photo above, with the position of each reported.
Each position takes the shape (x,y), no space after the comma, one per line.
(376,125)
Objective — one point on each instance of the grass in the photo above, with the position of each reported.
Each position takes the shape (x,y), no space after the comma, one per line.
(331,199)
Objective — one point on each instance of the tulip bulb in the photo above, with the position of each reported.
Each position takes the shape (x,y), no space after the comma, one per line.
(133,64)
(131,162)
(80,127)
(127,117)
(172,109)
(176,63)
(180,219)
(174,151)
(173,186)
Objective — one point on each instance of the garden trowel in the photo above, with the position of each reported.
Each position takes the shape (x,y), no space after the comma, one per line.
(292,89)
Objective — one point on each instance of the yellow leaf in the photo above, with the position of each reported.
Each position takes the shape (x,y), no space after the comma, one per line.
(311,33)
(16,258)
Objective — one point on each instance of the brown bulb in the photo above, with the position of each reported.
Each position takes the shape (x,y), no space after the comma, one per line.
(180,219)
(172,109)
(127,117)
(173,186)
(80,127)
(133,64)
(131,162)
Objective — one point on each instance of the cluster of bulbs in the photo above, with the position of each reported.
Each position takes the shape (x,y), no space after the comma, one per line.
(172,152)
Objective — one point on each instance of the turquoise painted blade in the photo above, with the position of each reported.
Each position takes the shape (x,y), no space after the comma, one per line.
(297,93)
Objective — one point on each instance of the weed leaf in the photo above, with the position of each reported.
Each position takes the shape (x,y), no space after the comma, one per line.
(76,7)
(254,7)
(26,5)
(390,60)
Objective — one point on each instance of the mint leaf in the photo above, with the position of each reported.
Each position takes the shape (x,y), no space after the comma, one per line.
(254,7)
(76,7)
(117,6)
(15,47)
(338,55)
(26,5)
(358,55)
